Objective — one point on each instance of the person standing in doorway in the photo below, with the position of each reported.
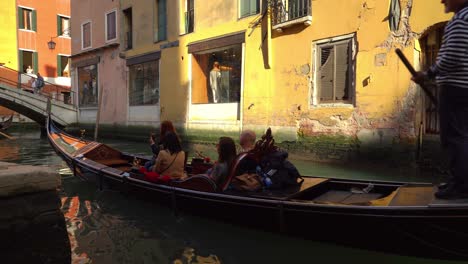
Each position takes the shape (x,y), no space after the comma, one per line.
(451,73)
(215,80)
(29,70)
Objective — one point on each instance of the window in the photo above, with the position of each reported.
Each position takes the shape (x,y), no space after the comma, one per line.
(63,69)
(394,15)
(27,18)
(189,16)
(249,7)
(160,20)
(111,26)
(128,24)
(28,61)
(63,26)
(335,78)
(216,75)
(88,86)
(144,83)
(86,35)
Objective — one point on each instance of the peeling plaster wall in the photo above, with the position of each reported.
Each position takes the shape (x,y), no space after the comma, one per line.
(387,109)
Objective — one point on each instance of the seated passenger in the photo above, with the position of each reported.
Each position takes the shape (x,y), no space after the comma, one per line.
(171,159)
(247,143)
(226,155)
(247,140)
(166,126)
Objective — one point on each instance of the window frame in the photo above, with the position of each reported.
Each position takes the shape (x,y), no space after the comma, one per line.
(144,77)
(60,28)
(90,35)
(157,35)
(188,10)
(59,70)
(239,8)
(127,18)
(314,94)
(106,25)
(33,18)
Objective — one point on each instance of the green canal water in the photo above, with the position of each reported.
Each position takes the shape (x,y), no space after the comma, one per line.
(110,227)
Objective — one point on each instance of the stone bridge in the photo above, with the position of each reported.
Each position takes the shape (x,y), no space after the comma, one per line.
(16,95)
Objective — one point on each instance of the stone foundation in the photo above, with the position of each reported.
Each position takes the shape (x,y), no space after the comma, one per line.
(32,227)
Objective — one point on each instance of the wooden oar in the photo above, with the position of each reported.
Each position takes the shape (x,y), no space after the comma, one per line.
(413,73)
(7,136)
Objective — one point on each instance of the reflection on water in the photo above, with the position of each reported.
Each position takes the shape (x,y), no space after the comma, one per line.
(113,227)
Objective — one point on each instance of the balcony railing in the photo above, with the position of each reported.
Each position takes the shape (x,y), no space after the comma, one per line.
(284,11)
(189,20)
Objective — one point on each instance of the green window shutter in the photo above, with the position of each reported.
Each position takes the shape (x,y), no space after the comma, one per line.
(253,7)
(59,66)
(34,24)
(35,62)
(162,20)
(59,26)
(20,18)
(244,7)
(20,60)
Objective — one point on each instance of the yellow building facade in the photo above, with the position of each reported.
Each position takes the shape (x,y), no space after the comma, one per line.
(8,38)
(320,73)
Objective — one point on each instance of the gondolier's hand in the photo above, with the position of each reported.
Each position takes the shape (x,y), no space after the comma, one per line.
(419,77)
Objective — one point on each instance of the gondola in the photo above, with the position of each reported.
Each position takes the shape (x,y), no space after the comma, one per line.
(6,124)
(395,217)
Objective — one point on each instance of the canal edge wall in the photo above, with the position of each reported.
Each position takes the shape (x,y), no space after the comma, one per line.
(32,226)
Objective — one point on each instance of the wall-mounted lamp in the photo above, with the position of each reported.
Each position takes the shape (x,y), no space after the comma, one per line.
(51,44)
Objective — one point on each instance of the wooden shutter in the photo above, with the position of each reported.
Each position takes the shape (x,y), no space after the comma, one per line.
(20,18)
(34,22)
(35,62)
(162,20)
(326,72)
(244,8)
(342,71)
(254,4)
(59,26)
(59,66)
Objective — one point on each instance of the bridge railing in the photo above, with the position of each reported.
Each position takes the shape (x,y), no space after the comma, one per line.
(24,82)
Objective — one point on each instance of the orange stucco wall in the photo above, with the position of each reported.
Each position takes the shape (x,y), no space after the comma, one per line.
(47,12)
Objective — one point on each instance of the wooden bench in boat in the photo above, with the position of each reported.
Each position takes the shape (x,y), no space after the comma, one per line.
(113,162)
(413,195)
(107,156)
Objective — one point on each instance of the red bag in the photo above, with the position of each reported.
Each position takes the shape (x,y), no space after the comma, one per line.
(165,178)
(151,176)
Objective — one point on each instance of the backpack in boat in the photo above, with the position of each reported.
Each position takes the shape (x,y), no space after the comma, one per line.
(281,171)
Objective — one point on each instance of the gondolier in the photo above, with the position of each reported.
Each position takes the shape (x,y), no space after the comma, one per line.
(451,73)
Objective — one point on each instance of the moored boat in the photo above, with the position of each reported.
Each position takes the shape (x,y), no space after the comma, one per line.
(4,125)
(396,217)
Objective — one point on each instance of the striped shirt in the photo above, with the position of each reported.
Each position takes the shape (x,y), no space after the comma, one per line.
(451,67)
